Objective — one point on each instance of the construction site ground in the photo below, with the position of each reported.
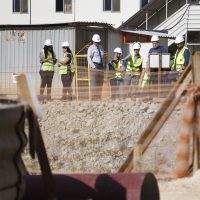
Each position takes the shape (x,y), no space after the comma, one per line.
(97,136)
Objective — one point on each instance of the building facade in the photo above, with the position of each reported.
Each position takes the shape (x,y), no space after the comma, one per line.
(25,12)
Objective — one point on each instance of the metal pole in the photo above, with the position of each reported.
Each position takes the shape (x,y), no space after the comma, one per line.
(146,20)
(74,10)
(166,9)
(30,11)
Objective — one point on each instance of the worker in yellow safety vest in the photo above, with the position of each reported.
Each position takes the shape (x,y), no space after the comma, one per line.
(66,71)
(134,66)
(47,60)
(116,68)
(182,56)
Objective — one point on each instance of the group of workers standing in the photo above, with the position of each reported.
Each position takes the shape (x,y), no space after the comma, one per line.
(123,71)
(129,70)
(48,61)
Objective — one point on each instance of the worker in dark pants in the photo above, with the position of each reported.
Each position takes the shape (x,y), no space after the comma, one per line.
(133,69)
(116,67)
(95,56)
(47,60)
(65,71)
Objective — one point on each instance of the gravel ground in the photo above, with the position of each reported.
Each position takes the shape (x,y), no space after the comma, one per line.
(94,136)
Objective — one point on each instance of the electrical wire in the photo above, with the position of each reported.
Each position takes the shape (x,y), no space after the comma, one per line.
(179,19)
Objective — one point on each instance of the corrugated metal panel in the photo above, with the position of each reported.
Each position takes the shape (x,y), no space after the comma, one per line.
(20,51)
(114,40)
(155,8)
(84,38)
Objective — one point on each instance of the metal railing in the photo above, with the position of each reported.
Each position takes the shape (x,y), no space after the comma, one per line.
(168,8)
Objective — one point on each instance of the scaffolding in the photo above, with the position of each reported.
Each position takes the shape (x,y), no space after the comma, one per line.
(83,85)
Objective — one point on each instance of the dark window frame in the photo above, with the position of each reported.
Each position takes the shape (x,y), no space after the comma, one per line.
(109,5)
(60,6)
(20,6)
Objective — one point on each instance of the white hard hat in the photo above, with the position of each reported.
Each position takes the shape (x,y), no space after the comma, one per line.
(65,44)
(48,42)
(96,38)
(117,50)
(179,39)
(154,38)
(136,46)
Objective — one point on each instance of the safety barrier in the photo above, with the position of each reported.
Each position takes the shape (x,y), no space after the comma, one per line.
(81,85)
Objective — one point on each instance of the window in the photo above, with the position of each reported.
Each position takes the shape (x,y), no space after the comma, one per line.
(144,2)
(20,6)
(111,5)
(193,37)
(64,6)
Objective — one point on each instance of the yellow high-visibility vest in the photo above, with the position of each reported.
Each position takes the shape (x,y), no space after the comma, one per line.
(64,68)
(117,66)
(49,65)
(134,66)
(179,59)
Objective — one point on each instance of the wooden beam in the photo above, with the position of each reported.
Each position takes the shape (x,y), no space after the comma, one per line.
(160,117)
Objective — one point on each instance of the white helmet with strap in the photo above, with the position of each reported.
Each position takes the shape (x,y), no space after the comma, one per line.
(154,38)
(48,42)
(65,44)
(117,50)
(179,39)
(136,46)
(96,38)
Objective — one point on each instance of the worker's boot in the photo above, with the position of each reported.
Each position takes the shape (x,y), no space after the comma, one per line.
(69,96)
(49,94)
(64,94)
(41,96)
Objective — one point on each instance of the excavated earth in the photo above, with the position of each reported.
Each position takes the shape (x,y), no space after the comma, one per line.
(97,136)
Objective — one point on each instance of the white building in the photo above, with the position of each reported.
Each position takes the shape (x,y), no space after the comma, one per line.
(23,12)
(175,17)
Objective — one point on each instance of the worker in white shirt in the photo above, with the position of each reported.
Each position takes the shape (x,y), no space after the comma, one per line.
(95,56)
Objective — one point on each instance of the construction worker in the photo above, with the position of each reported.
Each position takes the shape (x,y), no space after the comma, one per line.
(66,71)
(116,78)
(150,75)
(182,56)
(134,66)
(95,55)
(156,45)
(47,60)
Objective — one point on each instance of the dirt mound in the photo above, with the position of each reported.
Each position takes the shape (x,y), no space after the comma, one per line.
(92,136)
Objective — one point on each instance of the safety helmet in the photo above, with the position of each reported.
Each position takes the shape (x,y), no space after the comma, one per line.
(48,42)
(136,46)
(65,44)
(179,39)
(117,50)
(96,38)
(154,38)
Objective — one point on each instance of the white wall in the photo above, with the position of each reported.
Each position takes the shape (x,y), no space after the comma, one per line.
(43,12)
(93,11)
(8,17)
